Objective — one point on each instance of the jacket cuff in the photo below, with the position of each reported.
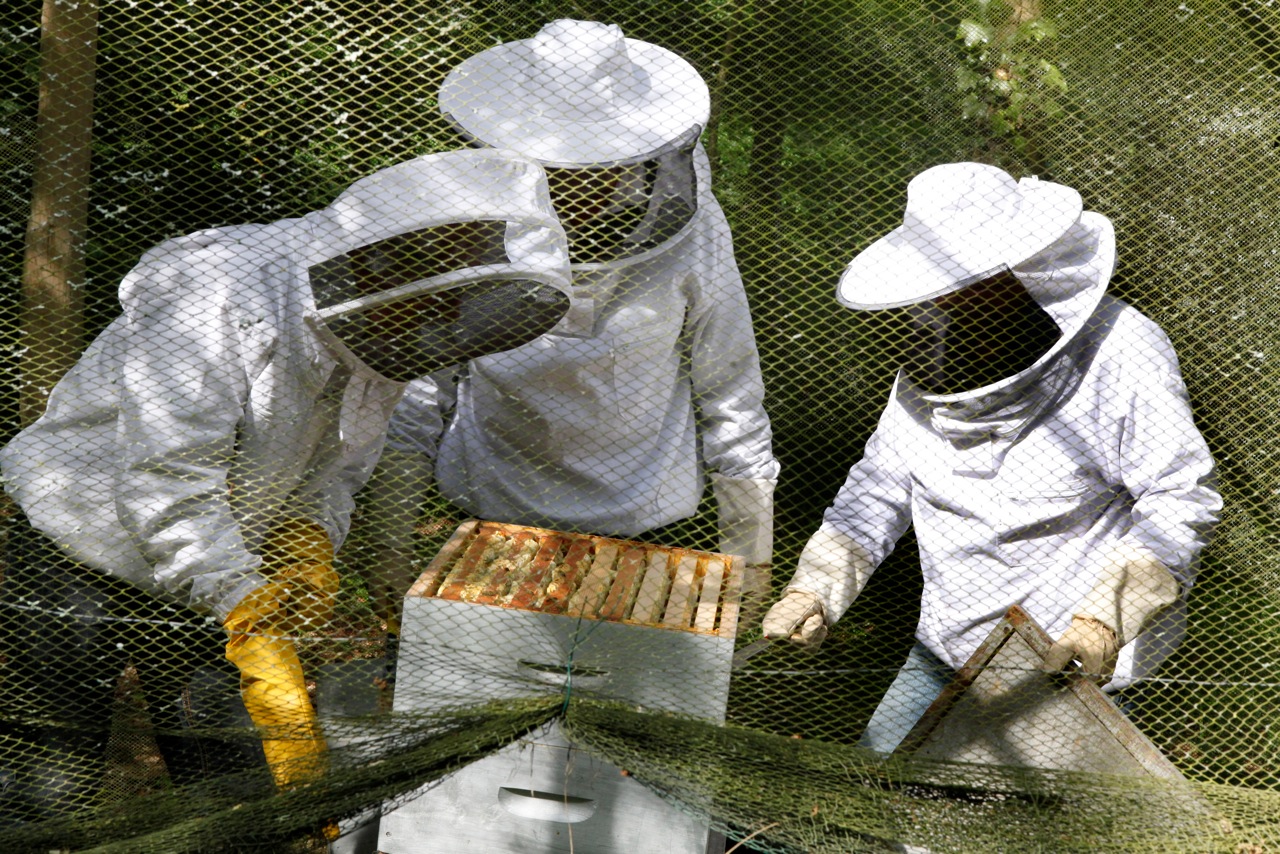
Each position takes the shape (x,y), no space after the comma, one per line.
(833,566)
(745,511)
(233,593)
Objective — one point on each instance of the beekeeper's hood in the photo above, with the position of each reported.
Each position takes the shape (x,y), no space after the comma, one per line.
(615,121)
(966,223)
(438,260)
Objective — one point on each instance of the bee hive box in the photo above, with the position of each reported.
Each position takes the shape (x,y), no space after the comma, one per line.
(506,611)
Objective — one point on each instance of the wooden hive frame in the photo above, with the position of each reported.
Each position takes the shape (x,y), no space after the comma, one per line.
(954,722)
(582,575)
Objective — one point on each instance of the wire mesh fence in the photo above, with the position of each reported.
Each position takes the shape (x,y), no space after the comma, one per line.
(490,426)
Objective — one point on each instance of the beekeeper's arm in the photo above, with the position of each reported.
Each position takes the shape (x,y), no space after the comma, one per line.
(1166,466)
(184,387)
(302,586)
(391,501)
(737,441)
(871,511)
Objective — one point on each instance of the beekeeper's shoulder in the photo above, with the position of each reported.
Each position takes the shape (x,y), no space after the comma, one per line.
(207,264)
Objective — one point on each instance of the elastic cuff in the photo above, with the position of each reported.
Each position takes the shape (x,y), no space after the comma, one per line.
(242,588)
(1097,622)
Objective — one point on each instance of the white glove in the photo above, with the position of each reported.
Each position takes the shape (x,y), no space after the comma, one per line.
(1132,588)
(745,509)
(1091,643)
(390,510)
(797,617)
(830,574)
(833,566)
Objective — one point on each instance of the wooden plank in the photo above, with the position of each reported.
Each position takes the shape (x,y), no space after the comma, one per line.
(474,557)
(684,592)
(704,619)
(527,595)
(652,595)
(429,581)
(732,599)
(498,546)
(565,576)
(586,601)
(622,594)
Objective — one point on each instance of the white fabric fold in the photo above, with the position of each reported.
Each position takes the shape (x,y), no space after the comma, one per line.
(745,508)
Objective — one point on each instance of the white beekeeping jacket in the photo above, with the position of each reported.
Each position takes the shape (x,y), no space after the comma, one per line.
(607,423)
(1105,455)
(216,405)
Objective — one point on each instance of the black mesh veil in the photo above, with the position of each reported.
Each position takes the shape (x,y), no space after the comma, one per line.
(425,300)
(620,210)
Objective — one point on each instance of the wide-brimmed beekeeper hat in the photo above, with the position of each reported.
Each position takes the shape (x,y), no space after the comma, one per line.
(443,258)
(576,93)
(963,223)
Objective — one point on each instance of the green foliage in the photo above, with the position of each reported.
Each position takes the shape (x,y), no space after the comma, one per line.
(1006,86)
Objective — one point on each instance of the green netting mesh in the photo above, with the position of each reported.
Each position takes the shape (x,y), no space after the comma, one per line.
(538,623)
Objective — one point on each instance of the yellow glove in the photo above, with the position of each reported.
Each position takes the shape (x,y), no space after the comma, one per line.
(797,617)
(302,585)
(275,693)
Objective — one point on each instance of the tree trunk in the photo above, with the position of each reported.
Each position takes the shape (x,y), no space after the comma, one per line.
(54,264)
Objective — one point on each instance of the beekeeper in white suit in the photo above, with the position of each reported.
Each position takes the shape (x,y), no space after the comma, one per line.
(611,423)
(201,459)
(1038,437)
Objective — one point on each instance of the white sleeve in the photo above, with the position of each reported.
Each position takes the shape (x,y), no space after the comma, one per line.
(728,391)
(183,393)
(419,419)
(1164,460)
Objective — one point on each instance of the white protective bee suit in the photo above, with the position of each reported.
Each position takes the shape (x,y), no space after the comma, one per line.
(610,423)
(219,401)
(206,449)
(1031,490)
(600,425)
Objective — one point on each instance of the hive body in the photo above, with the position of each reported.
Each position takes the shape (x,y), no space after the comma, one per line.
(506,612)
